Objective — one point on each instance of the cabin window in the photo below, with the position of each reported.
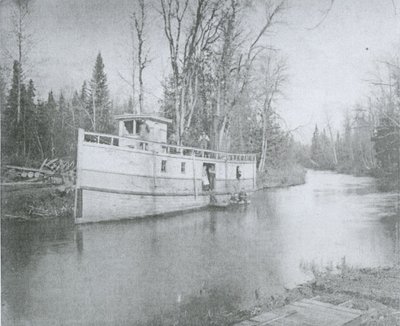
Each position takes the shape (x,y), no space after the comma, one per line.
(129,126)
(137,129)
(183,167)
(105,140)
(163,166)
(144,146)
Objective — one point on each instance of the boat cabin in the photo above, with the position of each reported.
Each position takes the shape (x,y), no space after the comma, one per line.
(143,126)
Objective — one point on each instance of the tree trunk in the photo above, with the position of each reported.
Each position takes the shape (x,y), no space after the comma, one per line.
(264,144)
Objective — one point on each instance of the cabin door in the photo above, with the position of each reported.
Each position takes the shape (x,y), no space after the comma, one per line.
(208,176)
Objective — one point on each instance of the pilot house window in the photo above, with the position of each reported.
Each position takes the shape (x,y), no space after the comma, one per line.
(163,166)
(129,126)
(183,167)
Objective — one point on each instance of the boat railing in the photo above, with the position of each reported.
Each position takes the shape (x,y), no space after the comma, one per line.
(145,145)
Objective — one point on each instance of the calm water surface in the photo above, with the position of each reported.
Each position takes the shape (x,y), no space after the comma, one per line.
(125,272)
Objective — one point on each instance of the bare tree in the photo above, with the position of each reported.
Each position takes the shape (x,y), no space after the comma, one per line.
(20,15)
(274,76)
(138,23)
(133,66)
(241,70)
(189,31)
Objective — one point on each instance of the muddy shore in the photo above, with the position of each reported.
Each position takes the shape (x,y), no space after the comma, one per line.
(375,291)
(36,203)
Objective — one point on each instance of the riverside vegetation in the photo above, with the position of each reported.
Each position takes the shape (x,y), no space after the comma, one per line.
(369,142)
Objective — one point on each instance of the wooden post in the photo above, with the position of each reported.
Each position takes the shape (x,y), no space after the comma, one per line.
(226,175)
(254,176)
(194,175)
(154,169)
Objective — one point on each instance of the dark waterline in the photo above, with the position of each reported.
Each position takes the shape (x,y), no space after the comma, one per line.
(120,273)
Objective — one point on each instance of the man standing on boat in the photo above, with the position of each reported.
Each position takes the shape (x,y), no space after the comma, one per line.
(172,139)
(204,140)
(144,131)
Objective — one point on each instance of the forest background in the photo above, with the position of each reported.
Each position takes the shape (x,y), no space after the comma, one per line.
(225,79)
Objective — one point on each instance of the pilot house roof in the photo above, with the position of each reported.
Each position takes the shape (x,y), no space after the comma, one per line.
(124,117)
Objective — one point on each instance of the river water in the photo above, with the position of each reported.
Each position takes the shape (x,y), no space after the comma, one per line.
(126,272)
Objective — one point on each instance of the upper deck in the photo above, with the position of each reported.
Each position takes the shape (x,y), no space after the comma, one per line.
(148,133)
(135,144)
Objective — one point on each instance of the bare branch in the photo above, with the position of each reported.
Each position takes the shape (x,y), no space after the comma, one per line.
(325,15)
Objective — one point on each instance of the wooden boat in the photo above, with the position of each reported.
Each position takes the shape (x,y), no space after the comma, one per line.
(137,174)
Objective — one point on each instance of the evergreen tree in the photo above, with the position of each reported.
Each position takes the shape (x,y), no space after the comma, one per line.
(49,125)
(61,132)
(316,152)
(29,121)
(3,97)
(84,92)
(12,130)
(99,100)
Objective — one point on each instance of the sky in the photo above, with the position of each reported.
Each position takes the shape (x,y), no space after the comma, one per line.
(328,66)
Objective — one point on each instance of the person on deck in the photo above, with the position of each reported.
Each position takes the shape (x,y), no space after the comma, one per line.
(172,139)
(144,131)
(204,140)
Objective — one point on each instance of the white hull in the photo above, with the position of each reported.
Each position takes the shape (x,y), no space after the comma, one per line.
(118,182)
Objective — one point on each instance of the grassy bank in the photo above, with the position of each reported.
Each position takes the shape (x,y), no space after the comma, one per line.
(36,203)
(372,290)
(285,176)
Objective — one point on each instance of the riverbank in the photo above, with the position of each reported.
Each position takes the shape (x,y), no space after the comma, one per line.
(372,290)
(36,202)
(285,176)
(385,181)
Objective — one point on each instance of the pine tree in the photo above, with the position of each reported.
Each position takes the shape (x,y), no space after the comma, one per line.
(316,147)
(12,130)
(3,98)
(84,92)
(60,133)
(99,100)
(49,125)
(29,119)
(42,131)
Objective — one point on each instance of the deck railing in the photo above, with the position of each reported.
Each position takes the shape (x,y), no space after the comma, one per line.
(145,145)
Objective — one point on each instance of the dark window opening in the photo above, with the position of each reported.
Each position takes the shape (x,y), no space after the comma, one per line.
(183,167)
(105,140)
(163,166)
(91,138)
(238,172)
(129,126)
(138,126)
(144,146)
(208,177)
